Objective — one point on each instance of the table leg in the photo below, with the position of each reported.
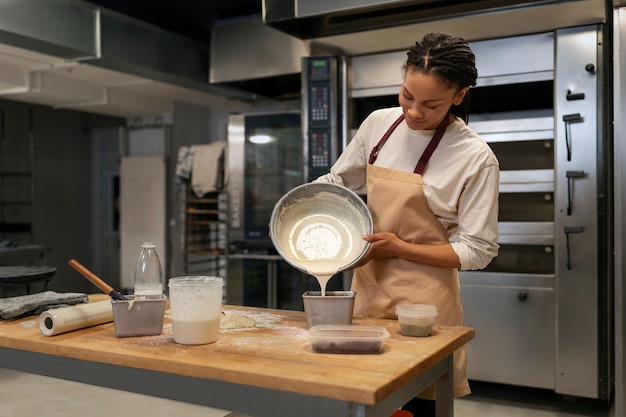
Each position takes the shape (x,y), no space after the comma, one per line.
(444,392)
(272,286)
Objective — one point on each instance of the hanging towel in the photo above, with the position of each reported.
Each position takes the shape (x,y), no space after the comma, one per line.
(184,165)
(185,162)
(208,167)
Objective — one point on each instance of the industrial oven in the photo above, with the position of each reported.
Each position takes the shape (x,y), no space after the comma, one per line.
(264,162)
(541,308)
(269,154)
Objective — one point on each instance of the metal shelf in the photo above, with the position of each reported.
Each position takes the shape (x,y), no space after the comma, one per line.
(515,129)
(526,233)
(204,233)
(527,181)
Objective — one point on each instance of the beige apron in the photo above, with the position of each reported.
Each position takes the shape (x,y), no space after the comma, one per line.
(397,202)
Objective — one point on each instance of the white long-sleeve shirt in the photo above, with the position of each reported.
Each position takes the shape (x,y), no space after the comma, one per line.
(461,180)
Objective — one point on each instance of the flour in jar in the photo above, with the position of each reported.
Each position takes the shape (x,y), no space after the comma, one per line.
(196,332)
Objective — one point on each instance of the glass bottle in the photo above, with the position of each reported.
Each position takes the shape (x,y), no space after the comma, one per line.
(148,272)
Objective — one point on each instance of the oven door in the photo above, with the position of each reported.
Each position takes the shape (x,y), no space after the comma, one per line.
(265,160)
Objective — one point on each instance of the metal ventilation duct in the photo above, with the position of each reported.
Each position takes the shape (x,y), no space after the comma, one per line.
(310,19)
(360,27)
(83,38)
(248,55)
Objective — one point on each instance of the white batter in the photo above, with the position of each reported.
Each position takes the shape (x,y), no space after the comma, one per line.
(323,270)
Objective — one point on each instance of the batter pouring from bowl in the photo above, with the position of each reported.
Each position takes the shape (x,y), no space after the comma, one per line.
(318,228)
(432,190)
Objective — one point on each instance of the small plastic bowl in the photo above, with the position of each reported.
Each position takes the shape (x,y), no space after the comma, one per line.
(416,319)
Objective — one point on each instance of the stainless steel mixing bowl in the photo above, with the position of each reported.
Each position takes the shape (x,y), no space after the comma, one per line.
(330,218)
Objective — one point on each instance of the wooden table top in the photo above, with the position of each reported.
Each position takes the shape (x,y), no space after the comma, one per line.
(276,354)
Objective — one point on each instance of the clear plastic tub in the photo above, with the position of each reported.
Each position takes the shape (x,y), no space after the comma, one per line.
(333,338)
(416,319)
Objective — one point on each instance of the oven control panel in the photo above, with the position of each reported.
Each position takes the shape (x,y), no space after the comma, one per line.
(320,102)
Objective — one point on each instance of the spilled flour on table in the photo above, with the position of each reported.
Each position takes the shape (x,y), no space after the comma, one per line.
(284,335)
(263,320)
(236,321)
(240,330)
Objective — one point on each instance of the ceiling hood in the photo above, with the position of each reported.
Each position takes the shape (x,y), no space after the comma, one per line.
(249,55)
(307,19)
(358,27)
(68,54)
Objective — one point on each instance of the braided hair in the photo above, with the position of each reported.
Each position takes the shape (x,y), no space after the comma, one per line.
(449,58)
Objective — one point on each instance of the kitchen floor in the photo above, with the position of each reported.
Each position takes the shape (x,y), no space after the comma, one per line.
(24,395)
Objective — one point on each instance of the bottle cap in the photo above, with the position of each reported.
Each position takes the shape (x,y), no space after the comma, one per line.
(148,245)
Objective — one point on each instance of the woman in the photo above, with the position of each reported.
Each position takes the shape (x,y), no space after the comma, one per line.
(432,189)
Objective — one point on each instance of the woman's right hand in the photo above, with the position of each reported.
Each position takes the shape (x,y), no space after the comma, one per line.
(382,245)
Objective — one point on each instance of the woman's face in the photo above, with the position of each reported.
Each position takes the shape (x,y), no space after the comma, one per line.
(425,100)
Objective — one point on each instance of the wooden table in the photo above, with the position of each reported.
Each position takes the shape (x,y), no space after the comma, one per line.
(267,371)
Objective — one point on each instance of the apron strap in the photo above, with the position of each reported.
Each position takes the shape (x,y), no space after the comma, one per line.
(428,152)
(381,142)
(432,145)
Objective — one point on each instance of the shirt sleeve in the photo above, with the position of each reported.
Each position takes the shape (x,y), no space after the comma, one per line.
(477,233)
(350,168)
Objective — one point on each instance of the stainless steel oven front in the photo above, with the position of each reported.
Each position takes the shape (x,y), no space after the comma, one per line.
(540,308)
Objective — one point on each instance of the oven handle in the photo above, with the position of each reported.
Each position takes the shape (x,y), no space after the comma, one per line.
(570,178)
(569,230)
(569,119)
(574,96)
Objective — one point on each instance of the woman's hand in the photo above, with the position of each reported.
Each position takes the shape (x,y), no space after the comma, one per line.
(383,245)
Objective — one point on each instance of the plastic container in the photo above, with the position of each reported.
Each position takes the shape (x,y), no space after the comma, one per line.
(331,338)
(148,279)
(336,307)
(138,316)
(416,319)
(196,306)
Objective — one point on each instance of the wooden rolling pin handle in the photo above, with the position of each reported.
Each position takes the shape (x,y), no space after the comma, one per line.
(106,288)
